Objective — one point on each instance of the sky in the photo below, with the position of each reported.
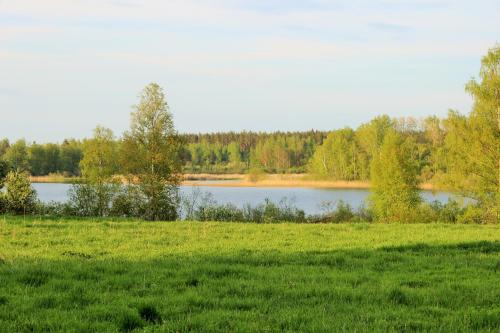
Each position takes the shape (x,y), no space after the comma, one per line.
(261,65)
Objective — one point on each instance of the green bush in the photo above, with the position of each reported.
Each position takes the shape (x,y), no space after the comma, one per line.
(472,215)
(4,170)
(55,209)
(19,197)
(91,199)
(202,207)
(128,202)
(445,213)
(225,212)
(163,206)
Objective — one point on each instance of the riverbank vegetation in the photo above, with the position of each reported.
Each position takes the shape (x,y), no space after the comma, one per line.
(460,153)
(66,276)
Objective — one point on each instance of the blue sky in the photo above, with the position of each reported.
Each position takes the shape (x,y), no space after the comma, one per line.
(264,65)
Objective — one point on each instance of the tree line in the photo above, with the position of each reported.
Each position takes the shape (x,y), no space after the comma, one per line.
(281,152)
(344,154)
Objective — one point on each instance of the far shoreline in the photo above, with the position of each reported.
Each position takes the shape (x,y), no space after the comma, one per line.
(243,180)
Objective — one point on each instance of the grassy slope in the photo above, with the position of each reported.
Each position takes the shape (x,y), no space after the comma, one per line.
(103,276)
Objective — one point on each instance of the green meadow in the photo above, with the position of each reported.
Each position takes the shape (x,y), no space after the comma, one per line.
(123,276)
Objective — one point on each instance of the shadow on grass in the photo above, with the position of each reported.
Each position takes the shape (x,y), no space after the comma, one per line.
(420,287)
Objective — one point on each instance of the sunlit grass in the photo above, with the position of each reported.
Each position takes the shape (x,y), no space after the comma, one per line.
(84,276)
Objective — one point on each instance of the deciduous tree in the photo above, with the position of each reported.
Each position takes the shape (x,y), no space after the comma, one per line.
(151,150)
(395,195)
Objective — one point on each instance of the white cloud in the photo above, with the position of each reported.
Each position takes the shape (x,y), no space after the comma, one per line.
(306,58)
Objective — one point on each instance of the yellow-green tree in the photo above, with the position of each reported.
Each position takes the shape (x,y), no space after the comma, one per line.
(99,165)
(395,195)
(473,142)
(17,156)
(151,154)
(338,157)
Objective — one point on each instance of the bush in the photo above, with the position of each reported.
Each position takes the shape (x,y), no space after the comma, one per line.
(202,207)
(343,213)
(56,209)
(92,199)
(225,213)
(445,213)
(4,170)
(20,197)
(269,212)
(364,214)
(340,212)
(163,206)
(128,202)
(472,214)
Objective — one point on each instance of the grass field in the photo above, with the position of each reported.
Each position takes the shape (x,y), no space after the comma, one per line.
(84,276)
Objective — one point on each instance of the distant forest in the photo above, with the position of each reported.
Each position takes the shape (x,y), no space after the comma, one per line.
(343,154)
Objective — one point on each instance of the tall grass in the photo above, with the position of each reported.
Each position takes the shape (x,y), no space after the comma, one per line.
(58,276)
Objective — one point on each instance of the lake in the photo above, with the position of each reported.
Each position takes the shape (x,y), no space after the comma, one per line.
(308,199)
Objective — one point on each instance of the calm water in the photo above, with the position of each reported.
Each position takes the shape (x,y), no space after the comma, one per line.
(307,199)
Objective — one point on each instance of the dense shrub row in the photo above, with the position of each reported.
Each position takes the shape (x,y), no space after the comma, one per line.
(114,200)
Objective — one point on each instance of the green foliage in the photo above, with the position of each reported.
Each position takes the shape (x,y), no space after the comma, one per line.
(202,207)
(4,170)
(339,157)
(17,156)
(19,197)
(4,145)
(473,142)
(151,153)
(67,276)
(256,173)
(100,159)
(395,196)
(89,199)
(95,195)
(128,201)
(238,152)
(449,212)
(70,156)
(371,135)
(43,159)
(234,157)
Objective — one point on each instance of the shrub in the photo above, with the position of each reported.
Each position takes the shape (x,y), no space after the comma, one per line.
(163,205)
(128,202)
(20,197)
(363,214)
(92,199)
(446,213)
(4,169)
(341,211)
(269,212)
(53,208)
(225,212)
(471,215)
(202,207)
